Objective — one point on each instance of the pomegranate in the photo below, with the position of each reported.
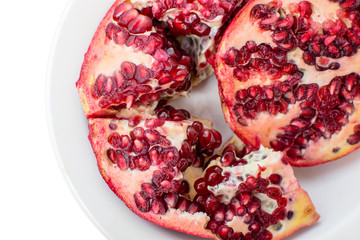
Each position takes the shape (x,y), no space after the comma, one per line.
(292,82)
(158,171)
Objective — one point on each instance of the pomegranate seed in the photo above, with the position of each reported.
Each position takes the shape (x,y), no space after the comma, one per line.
(241,73)
(305,9)
(225,232)
(127,17)
(211,204)
(120,9)
(194,208)
(158,206)
(227,159)
(210,139)
(275,178)
(122,160)
(213,176)
(142,162)
(142,74)
(273,192)
(111,154)
(171,200)
(140,24)
(238,208)
(183,204)
(200,186)
(219,216)
(212,226)
(142,203)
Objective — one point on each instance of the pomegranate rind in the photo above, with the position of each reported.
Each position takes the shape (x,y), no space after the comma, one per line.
(262,131)
(126,183)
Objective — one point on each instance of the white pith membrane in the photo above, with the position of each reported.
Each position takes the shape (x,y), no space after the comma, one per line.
(126,183)
(266,127)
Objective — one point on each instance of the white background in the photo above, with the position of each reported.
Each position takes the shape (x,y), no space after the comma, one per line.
(35,201)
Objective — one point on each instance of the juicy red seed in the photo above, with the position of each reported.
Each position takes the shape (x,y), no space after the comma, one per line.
(140,146)
(120,9)
(239,209)
(111,154)
(183,164)
(229,215)
(127,17)
(282,202)
(200,199)
(138,132)
(192,18)
(251,46)
(265,51)
(254,227)
(184,187)
(211,204)
(227,159)
(200,186)
(219,216)
(275,178)
(241,73)
(194,208)
(305,9)
(140,24)
(273,192)
(171,156)
(254,205)
(224,232)
(122,160)
(353,139)
(171,200)
(201,29)
(142,203)
(290,215)
(183,204)
(147,190)
(245,198)
(128,69)
(142,74)
(210,139)
(142,162)
(114,139)
(212,226)
(158,206)
(192,133)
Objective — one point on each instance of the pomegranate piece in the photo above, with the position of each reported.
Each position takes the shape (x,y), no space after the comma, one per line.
(130,63)
(297,89)
(259,197)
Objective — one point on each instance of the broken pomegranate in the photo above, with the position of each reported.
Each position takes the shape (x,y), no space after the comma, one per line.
(292,82)
(159,160)
(159,173)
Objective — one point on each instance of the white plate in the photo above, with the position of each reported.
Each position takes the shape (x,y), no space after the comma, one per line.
(333,187)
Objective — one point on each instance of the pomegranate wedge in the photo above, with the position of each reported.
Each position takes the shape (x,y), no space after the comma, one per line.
(292,82)
(158,172)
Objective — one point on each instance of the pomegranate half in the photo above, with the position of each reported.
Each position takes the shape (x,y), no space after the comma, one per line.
(164,174)
(292,82)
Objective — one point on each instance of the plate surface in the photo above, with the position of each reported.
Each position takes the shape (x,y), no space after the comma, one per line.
(332,187)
